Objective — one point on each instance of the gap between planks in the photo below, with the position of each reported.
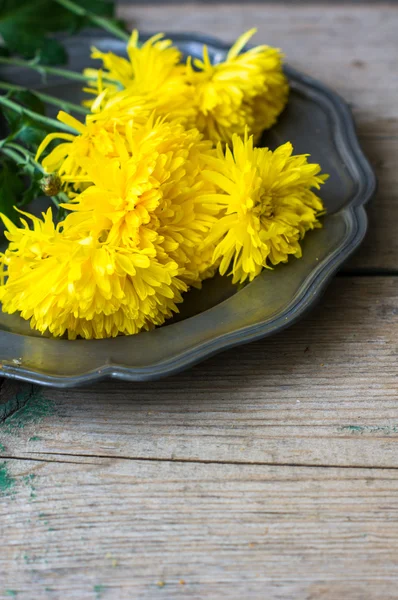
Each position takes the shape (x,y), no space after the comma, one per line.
(153,459)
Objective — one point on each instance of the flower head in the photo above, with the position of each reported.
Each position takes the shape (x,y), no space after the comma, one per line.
(95,136)
(83,286)
(136,224)
(151,76)
(245,90)
(148,192)
(269,204)
(153,206)
(147,66)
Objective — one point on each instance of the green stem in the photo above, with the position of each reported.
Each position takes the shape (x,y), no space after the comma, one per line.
(11,154)
(35,116)
(45,98)
(54,200)
(102,22)
(62,196)
(11,150)
(43,69)
(27,155)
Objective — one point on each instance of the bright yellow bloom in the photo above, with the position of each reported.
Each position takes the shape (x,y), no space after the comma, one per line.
(268,206)
(152,76)
(146,67)
(93,136)
(132,241)
(246,90)
(149,192)
(84,287)
(153,207)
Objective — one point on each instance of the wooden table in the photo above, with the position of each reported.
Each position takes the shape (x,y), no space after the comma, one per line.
(269,472)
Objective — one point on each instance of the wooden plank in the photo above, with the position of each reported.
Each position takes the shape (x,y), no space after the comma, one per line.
(270,471)
(123,491)
(321,393)
(379,251)
(13,397)
(352,49)
(126,529)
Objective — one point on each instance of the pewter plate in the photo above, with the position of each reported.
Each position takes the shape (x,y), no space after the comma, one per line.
(219,316)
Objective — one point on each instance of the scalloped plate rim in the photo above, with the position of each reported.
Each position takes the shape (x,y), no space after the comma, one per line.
(310,291)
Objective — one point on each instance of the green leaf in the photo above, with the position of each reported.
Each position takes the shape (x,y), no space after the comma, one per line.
(11,189)
(29,100)
(32,42)
(26,130)
(13,119)
(26,25)
(98,7)
(35,16)
(51,52)
(31,134)
(32,191)
(22,127)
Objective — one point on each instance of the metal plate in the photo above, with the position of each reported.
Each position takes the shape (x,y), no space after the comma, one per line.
(317,122)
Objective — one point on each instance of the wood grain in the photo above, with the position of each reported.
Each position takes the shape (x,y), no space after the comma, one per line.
(121,530)
(352,49)
(271,471)
(268,472)
(323,392)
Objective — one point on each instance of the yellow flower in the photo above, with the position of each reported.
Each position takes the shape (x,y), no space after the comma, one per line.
(246,90)
(84,287)
(148,66)
(149,192)
(132,242)
(152,76)
(93,136)
(268,206)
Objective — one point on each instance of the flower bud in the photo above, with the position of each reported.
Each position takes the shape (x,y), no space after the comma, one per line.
(51,184)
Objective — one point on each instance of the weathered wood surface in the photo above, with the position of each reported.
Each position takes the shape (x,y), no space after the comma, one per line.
(321,393)
(269,472)
(122,530)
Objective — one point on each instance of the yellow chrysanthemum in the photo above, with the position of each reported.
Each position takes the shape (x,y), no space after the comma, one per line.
(84,287)
(149,192)
(268,206)
(147,66)
(130,245)
(152,76)
(93,136)
(153,207)
(246,90)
